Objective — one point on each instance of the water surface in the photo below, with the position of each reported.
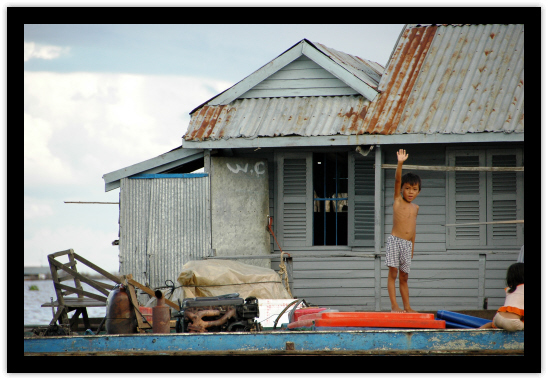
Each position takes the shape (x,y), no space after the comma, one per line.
(36,315)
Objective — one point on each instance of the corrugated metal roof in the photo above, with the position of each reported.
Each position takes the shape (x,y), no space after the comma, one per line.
(441,79)
(368,71)
(261,117)
(452,79)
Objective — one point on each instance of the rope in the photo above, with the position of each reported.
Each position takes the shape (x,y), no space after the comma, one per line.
(283,269)
(172,288)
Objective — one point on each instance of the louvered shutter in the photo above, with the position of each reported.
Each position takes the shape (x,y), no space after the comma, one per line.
(295,199)
(504,204)
(467,201)
(361,200)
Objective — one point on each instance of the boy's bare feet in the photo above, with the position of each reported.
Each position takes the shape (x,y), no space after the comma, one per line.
(410,311)
(397,310)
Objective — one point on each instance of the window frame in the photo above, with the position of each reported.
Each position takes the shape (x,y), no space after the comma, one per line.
(377,214)
(485,199)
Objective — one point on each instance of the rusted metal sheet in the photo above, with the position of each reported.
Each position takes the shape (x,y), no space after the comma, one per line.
(398,81)
(453,80)
(270,117)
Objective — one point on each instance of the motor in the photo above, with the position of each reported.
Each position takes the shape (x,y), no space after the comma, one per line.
(223,313)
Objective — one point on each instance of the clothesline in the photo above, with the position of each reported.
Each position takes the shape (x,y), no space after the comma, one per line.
(456,168)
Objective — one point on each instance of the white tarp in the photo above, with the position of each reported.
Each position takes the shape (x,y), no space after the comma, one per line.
(207,278)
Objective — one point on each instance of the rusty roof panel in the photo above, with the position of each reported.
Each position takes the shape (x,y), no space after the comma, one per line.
(271,117)
(452,79)
(397,82)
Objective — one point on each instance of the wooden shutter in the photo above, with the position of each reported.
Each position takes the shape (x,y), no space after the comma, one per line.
(295,199)
(503,203)
(361,200)
(466,200)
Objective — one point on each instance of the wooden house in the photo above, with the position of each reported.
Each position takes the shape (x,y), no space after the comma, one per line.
(308,142)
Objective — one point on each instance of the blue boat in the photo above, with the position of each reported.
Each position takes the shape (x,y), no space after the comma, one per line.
(280,342)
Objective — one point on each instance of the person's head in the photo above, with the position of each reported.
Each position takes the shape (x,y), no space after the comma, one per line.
(514,276)
(410,186)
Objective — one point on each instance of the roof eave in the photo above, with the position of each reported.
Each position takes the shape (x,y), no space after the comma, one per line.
(351,140)
(163,162)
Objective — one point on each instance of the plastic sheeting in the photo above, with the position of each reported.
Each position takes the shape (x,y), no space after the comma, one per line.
(206,278)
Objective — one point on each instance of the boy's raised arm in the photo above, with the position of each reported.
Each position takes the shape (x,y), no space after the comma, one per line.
(402,156)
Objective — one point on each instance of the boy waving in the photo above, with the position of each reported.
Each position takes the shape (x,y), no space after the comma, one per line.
(401,243)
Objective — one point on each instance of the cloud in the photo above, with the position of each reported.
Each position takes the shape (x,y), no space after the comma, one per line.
(40,163)
(92,244)
(79,126)
(36,208)
(33,50)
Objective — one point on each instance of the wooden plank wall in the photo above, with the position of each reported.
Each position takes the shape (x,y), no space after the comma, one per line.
(439,279)
(302,77)
(495,277)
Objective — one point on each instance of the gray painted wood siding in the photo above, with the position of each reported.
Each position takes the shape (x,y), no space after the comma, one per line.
(440,278)
(444,281)
(439,281)
(431,200)
(302,77)
(495,278)
(346,284)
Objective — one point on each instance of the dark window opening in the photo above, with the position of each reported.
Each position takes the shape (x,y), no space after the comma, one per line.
(330,198)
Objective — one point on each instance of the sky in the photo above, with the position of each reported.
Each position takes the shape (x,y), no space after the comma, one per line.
(98,98)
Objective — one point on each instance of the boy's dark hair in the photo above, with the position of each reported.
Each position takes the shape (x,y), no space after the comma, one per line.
(412,179)
(514,276)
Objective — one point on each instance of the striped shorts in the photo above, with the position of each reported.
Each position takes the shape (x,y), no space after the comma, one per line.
(398,253)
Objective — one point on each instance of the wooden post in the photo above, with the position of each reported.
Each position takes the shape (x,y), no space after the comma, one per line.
(77,283)
(379,212)
(61,309)
(481,279)
(141,325)
(377,282)
(289,266)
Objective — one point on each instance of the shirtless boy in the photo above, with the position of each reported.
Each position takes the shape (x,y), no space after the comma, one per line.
(401,243)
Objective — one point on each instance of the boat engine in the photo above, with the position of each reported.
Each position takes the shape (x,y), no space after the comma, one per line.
(223,313)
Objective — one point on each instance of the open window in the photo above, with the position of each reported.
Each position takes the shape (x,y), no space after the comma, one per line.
(325,199)
(330,176)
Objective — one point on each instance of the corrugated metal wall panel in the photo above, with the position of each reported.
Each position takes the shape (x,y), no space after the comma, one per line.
(164,223)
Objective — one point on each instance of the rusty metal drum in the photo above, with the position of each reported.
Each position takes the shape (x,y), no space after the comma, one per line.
(120,318)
